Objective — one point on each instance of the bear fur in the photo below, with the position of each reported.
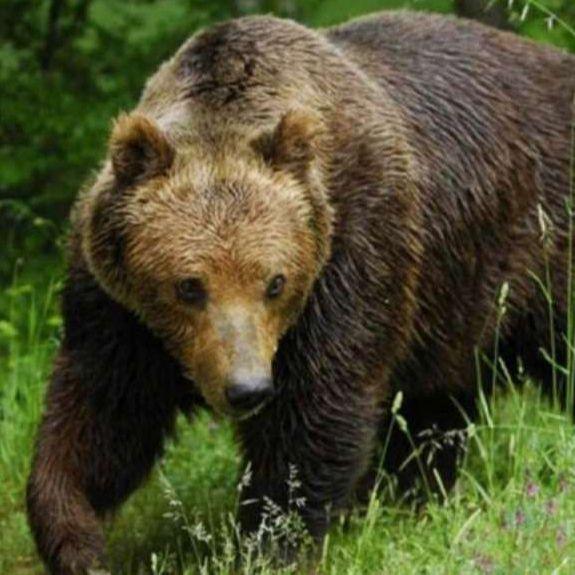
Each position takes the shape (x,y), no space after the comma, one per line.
(402,167)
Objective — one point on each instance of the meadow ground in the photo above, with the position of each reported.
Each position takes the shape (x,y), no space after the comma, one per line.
(512,512)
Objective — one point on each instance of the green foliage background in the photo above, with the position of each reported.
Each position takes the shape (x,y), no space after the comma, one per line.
(68,66)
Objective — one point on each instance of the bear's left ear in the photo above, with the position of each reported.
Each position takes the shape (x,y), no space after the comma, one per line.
(292,145)
(138,150)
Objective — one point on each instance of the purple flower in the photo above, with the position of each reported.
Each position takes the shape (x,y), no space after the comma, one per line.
(485,564)
(531,489)
(551,507)
(519,518)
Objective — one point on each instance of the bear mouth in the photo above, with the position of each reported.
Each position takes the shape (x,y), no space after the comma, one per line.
(245,415)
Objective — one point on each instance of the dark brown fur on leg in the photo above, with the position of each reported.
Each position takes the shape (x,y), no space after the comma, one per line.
(112,400)
(323,450)
(528,351)
(424,456)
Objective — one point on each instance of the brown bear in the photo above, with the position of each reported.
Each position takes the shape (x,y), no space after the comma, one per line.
(290,228)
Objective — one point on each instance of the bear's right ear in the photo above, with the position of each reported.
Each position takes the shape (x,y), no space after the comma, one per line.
(291,146)
(138,150)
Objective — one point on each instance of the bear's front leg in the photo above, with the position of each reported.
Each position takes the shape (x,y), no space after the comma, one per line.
(89,458)
(306,452)
(111,401)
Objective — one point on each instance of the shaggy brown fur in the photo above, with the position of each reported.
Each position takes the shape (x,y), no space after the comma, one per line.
(392,172)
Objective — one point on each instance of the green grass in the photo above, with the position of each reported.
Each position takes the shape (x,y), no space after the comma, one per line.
(513,509)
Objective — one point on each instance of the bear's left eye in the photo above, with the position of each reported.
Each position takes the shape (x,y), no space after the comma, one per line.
(276,286)
(191,291)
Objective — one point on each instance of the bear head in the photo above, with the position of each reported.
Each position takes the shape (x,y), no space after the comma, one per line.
(214,245)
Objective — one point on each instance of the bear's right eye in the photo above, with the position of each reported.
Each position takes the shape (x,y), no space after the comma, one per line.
(191,291)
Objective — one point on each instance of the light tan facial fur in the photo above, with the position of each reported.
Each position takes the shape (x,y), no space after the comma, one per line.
(228,218)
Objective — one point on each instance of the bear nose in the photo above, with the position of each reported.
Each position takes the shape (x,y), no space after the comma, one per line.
(247,393)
